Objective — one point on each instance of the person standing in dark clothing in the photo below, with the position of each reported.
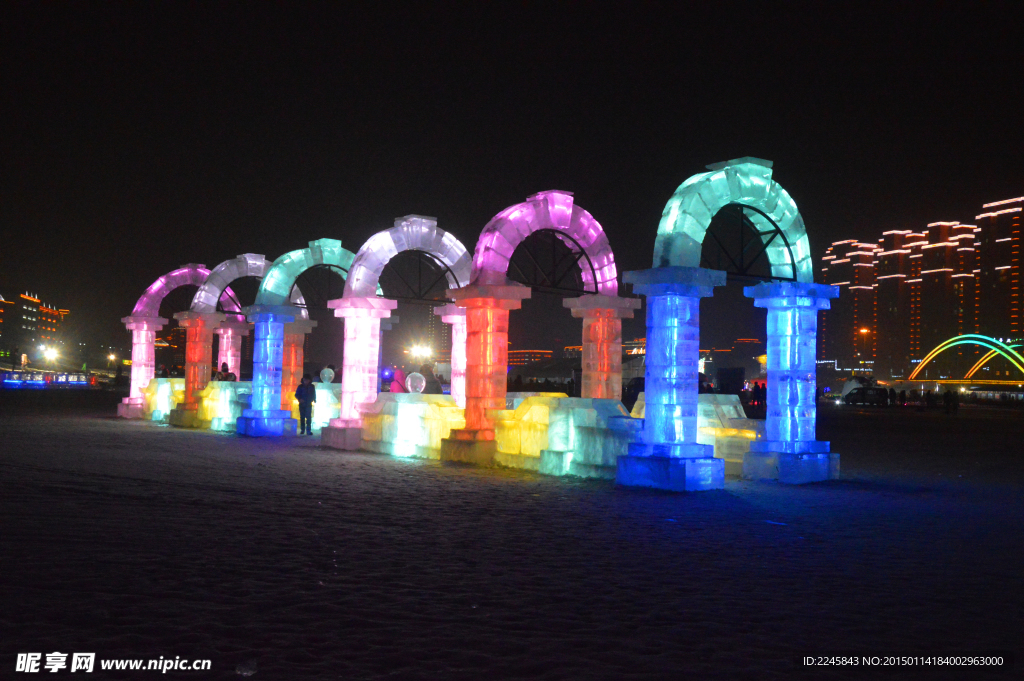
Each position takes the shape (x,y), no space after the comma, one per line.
(305,393)
(433,386)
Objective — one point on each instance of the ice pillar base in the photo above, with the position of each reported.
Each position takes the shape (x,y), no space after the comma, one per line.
(345,438)
(132,408)
(790,468)
(266,422)
(463,447)
(675,474)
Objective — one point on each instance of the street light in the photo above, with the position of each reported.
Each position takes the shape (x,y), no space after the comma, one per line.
(421,351)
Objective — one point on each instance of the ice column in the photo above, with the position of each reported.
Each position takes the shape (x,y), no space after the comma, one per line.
(488,301)
(143,341)
(265,416)
(363,317)
(602,342)
(456,316)
(669,456)
(789,451)
(292,360)
(231,332)
(199,328)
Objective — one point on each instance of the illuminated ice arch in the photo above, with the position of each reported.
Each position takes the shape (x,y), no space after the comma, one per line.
(986,359)
(490,296)
(747,182)
(145,321)
(277,349)
(669,456)
(992,344)
(554,211)
(363,309)
(234,327)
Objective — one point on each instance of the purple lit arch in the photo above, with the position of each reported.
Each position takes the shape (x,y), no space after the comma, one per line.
(551,210)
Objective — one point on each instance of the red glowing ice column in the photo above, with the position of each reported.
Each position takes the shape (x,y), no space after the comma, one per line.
(488,301)
(292,359)
(199,328)
(602,342)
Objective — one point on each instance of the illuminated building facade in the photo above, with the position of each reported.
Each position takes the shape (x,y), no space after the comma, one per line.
(519,358)
(27,322)
(915,289)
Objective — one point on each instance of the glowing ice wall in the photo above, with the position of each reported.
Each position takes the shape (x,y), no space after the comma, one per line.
(553,210)
(744,181)
(456,316)
(362,350)
(792,335)
(602,342)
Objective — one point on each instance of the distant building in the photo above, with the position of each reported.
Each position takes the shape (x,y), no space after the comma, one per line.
(518,358)
(27,322)
(903,296)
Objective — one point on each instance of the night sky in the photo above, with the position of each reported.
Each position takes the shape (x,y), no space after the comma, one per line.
(138,137)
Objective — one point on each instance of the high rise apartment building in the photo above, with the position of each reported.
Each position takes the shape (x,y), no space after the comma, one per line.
(912,290)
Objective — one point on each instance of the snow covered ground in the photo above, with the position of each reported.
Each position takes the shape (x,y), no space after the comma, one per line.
(138,541)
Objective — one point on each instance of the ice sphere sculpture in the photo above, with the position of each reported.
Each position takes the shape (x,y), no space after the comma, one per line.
(415,383)
(553,210)
(745,181)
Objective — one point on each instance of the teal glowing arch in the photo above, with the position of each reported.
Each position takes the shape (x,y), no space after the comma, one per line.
(998,347)
(745,181)
(277,284)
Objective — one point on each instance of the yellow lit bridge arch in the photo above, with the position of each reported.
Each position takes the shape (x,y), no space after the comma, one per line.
(995,348)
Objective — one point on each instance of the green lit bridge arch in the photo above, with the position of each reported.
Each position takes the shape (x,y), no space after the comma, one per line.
(995,348)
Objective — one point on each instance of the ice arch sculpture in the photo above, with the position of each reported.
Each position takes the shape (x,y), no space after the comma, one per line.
(411,233)
(277,350)
(145,321)
(234,327)
(668,455)
(747,181)
(363,310)
(552,210)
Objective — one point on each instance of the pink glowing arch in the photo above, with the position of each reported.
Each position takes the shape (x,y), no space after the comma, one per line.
(552,210)
(189,275)
(411,233)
